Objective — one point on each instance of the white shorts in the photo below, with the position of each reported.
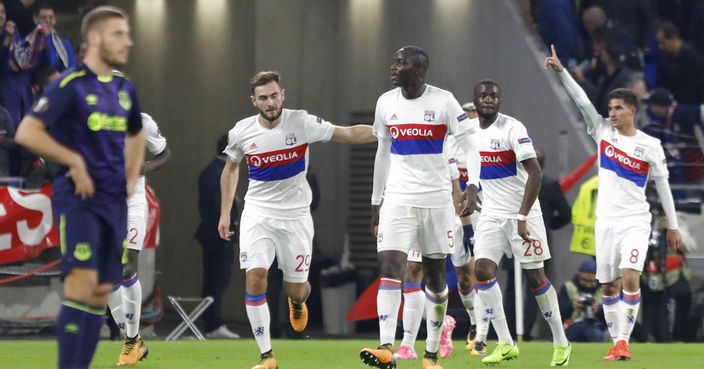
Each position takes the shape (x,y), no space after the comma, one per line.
(289,240)
(137,214)
(619,245)
(460,257)
(404,228)
(497,236)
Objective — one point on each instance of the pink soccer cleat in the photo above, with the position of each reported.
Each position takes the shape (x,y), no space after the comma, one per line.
(446,337)
(405,353)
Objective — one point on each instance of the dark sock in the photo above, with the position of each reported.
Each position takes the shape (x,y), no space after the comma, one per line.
(68,328)
(90,337)
(78,332)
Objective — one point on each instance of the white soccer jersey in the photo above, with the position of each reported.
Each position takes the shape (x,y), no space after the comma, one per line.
(457,156)
(278,160)
(418,172)
(502,147)
(154,142)
(625,162)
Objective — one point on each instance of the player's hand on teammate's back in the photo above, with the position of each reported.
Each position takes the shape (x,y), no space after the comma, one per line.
(82,182)
(553,61)
(523,230)
(673,238)
(375,219)
(224,227)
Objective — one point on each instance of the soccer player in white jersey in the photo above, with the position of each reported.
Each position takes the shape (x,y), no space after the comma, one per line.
(276,220)
(627,159)
(413,296)
(411,174)
(125,301)
(511,223)
(463,262)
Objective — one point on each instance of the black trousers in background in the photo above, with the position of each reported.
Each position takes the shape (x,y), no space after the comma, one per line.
(218,257)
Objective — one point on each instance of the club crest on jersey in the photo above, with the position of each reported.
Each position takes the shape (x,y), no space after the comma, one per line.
(639,152)
(243,257)
(291,139)
(429,115)
(495,144)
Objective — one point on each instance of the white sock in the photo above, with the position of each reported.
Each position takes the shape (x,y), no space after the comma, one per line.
(611,305)
(132,304)
(493,308)
(630,303)
(435,309)
(482,320)
(467,298)
(259,320)
(388,301)
(115,305)
(546,297)
(413,304)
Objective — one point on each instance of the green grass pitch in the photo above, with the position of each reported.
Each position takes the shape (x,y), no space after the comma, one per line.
(340,354)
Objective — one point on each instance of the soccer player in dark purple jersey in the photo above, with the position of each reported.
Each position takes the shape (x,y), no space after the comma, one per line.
(89,122)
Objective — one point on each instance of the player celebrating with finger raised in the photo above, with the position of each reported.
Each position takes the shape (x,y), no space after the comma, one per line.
(511,223)
(627,159)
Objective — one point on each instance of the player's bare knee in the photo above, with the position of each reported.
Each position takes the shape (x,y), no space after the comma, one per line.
(101,294)
(132,265)
(392,264)
(414,272)
(484,270)
(434,271)
(79,284)
(535,277)
(611,288)
(256,281)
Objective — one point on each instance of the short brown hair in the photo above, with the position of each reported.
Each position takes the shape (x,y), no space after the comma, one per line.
(98,15)
(264,77)
(628,96)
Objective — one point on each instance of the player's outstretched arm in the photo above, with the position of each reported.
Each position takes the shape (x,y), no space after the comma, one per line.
(673,236)
(32,134)
(357,134)
(228,186)
(382,162)
(535,180)
(134,157)
(158,161)
(586,108)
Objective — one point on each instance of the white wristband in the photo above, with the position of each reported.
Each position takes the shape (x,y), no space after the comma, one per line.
(521,217)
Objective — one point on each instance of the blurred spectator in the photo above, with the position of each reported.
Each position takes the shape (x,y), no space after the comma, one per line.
(19,12)
(681,67)
(558,24)
(600,30)
(633,16)
(218,254)
(678,126)
(7,141)
(81,50)
(613,73)
(584,217)
(695,36)
(580,305)
(666,278)
(556,210)
(59,52)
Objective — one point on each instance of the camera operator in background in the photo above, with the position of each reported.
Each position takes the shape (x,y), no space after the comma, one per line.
(666,285)
(580,305)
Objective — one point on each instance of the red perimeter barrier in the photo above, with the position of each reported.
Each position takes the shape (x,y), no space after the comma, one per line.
(27,223)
